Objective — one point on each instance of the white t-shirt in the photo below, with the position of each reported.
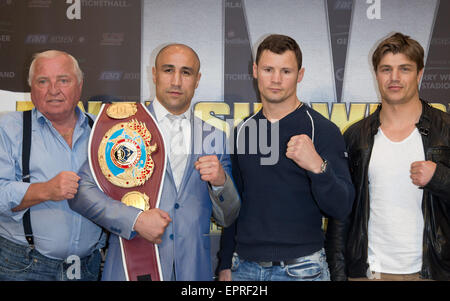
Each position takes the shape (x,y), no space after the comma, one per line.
(396,219)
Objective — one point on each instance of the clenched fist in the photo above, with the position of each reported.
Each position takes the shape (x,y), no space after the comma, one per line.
(422,172)
(301,150)
(63,186)
(151,224)
(211,170)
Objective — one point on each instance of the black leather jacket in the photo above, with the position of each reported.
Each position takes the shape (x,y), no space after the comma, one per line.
(347,241)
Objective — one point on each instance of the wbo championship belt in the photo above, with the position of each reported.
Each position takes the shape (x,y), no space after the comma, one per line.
(128,161)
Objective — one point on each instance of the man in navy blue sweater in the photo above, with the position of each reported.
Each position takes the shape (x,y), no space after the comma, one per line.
(278,235)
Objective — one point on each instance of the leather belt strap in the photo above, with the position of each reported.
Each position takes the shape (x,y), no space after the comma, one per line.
(26,146)
(268,264)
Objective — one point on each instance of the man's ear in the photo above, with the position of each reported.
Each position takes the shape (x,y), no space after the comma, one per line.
(255,71)
(419,76)
(301,72)
(199,75)
(154,75)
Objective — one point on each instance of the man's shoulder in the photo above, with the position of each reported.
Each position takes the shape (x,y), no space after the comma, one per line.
(11,119)
(439,121)
(439,115)
(11,127)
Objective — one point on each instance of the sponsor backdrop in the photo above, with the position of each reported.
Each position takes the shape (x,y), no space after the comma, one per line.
(116,42)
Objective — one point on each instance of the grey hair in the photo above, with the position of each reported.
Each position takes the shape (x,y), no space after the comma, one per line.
(49,54)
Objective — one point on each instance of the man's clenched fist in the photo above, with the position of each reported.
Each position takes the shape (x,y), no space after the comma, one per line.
(211,170)
(301,150)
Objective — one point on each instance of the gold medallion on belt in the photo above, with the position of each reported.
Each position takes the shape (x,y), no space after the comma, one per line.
(124,154)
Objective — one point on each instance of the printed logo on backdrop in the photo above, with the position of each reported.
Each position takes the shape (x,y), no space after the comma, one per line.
(112,39)
(4,38)
(119,75)
(52,39)
(7,74)
(111,75)
(106,3)
(5,28)
(74,10)
(39,3)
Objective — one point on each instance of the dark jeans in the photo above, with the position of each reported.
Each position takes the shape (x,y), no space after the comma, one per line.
(22,263)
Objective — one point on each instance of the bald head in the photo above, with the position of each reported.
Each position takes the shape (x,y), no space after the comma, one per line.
(176,76)
(178,48)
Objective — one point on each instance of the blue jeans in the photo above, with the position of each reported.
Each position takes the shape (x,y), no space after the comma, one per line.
(22,263)
(312,267)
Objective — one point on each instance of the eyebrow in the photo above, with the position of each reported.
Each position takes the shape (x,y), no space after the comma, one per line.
(182,68)
(282,68)
(402,65)
(58,76)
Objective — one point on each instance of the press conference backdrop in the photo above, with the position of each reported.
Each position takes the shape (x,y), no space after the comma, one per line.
(116,41)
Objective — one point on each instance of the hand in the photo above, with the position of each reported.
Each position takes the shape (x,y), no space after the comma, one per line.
(225,275)
(301,150)
(422,172)
(211,170)
(151,224)
(63,186)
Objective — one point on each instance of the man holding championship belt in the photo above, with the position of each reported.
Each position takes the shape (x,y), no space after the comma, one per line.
(195,186)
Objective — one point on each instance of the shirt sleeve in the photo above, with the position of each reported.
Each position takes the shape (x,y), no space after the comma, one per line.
(333,189)
(12,189)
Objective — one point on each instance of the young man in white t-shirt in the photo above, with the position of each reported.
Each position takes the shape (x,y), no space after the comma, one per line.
(399,228)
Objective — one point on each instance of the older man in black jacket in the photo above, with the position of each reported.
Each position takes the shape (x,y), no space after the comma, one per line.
(399,228)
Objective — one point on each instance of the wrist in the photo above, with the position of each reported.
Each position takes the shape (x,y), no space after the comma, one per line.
(220,182)
(321,168)
(39,192)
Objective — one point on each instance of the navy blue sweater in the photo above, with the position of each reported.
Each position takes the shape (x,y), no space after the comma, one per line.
(283,204)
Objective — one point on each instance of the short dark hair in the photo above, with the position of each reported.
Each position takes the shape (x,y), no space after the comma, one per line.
(279,44)
(399,43)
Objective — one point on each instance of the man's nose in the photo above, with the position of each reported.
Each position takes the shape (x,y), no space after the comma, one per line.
(176,79)
(276,77)
(54,88)
(395,74)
